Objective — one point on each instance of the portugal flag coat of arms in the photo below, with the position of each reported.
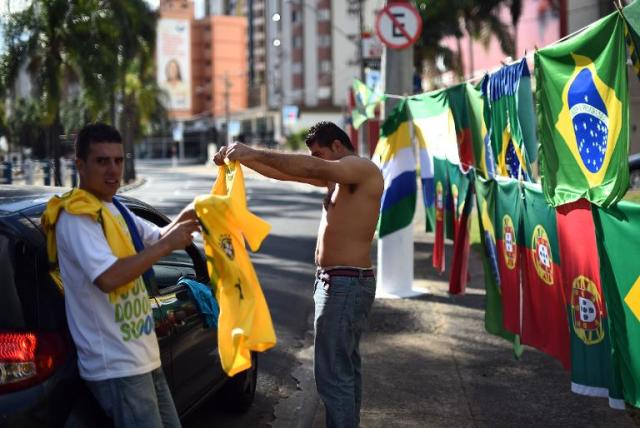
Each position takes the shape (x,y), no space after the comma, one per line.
(544,316)
(583,107)
(592,370)
(510,248)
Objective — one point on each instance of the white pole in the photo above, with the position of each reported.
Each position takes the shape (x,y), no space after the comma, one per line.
(395,251)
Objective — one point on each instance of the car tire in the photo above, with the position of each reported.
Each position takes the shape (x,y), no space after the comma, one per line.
(239,391)
(634,179)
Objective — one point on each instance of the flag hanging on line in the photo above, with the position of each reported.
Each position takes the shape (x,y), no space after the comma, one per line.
(512,122)
(459,275)
(583,105)
(618,240)
(366,102)
(510,249)
(485,191)
(544,316)
(395,157)
(592,371)
(435,133)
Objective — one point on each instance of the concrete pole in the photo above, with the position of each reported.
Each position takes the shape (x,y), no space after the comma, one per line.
(395,251)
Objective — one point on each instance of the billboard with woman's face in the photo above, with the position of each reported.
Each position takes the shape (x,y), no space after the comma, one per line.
(174,62)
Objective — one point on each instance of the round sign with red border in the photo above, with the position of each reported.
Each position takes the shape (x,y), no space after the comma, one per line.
(398,25)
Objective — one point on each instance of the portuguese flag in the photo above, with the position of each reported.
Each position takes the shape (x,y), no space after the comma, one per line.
(441,185)
(618,239)
(591,366)
(544,317)
(485,201)
(459,275)
(510,249)
(583,106)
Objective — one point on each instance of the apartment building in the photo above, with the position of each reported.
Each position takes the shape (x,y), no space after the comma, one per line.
(202,65)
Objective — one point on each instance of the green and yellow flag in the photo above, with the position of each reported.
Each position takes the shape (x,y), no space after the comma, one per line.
(366,102)
(583,109)
(618,240)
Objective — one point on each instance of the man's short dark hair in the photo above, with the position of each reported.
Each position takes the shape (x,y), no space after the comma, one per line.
(325,133)
(95,133)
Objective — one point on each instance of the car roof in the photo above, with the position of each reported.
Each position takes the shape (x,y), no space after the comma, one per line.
(17,198)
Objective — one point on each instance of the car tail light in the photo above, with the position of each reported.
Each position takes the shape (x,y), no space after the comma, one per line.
(27,358)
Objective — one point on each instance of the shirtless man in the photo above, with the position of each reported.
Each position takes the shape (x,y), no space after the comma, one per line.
(345,285)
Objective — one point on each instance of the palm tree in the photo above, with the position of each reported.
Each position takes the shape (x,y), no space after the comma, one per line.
(135,39)
(36,37)
(479,19)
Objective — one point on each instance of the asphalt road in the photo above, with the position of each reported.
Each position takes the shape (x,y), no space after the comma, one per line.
(284,265)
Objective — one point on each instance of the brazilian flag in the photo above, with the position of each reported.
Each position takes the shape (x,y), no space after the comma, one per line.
(508,98)
(583,108)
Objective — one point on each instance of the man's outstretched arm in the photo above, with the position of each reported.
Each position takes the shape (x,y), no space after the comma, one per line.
(348,170)
(267,170)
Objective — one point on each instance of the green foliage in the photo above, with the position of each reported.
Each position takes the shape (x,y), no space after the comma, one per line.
(456,18)
(83,56)
(295,141)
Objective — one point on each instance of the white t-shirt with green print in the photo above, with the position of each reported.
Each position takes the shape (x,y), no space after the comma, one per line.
(114,335)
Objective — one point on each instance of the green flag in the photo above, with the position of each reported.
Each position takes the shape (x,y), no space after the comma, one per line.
(631,14)
(366,103)
(583,108)
(493,316)
(618,239)
(509,100)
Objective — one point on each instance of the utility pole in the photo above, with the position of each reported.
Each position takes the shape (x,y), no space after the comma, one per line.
(227,114)
(395,251)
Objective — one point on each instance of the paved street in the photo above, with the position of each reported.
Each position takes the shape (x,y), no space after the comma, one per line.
(284,265)
(427,361)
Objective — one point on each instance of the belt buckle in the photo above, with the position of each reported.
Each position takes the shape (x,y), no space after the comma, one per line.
(325,278)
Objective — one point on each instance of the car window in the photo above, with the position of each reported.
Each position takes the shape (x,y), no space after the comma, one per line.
(18,285)
(171,268)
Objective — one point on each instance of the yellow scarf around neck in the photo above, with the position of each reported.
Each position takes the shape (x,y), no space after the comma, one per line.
(81,202)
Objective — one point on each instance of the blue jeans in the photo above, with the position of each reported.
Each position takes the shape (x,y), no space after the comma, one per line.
(137,401)
(342,307)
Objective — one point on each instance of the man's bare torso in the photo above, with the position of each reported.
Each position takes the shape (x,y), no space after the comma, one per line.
(348,223)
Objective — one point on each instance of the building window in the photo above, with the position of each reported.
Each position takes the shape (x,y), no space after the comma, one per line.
(297,42)
(295,16)
(325,66)
(324,92)
(324,15)
(296,67)
(324,41)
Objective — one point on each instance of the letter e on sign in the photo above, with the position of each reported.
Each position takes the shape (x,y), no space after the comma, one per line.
(398,25)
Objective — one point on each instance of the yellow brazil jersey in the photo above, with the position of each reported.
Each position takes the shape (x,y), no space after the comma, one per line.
(244,323)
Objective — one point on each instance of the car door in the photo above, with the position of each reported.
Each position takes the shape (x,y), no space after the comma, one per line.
(194,360)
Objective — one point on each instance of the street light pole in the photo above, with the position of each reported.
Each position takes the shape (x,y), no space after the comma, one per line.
(227,114)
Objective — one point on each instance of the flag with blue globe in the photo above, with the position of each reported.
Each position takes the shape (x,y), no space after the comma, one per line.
(583,110)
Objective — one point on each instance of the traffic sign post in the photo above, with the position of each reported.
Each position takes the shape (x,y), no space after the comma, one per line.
(398,25)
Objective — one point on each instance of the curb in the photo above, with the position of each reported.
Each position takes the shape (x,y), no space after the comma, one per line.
(137,183)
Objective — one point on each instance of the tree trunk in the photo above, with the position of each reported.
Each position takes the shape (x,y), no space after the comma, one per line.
(126,118)
(53,146)
(460,68)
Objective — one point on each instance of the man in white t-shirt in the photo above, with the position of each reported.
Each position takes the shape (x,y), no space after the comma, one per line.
(118,354)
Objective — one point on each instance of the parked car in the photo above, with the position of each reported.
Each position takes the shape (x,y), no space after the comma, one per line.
(634,171)
(39,381)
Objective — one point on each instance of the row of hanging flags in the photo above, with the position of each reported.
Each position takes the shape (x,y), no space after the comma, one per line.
(558,255)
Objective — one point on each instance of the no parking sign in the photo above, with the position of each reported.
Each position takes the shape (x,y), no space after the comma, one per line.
(398,25)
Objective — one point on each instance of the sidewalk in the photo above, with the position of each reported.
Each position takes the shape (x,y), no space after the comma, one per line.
(428,362)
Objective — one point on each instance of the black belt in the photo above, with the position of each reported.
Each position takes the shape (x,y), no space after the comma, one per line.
(348,272)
